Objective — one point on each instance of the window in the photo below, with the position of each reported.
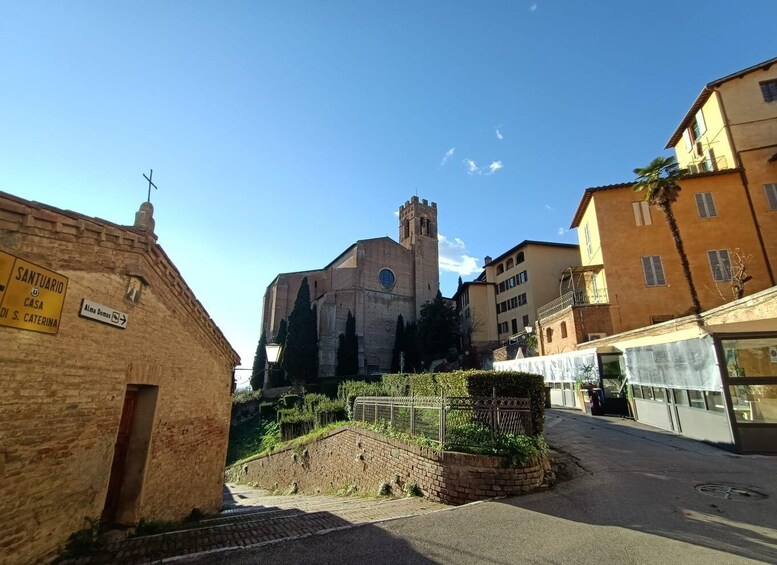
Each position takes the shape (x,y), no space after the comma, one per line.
(720,264)
(715,401)
(654,271)
(503,328)
(636,391)
(515,325)
(386,278)
(705,205)
(523,276)
(526,321)
(510,264)
(502,287)
(642,213)
(588,246)
(511,282)
(680,397)
(563,329)
(769,90)
(771,195)
(696,130)
(708,164)
(519,258)
(522,299)
(697,399)
(513,302)
(549,335)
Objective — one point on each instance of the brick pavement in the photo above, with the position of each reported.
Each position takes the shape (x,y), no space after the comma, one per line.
(252,517)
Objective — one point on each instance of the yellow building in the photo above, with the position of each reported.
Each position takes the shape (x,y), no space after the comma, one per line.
(726,212)
(514,285)
(732,124)
(475,304)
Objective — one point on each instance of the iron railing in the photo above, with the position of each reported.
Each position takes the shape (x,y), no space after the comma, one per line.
(450,421)
(573,298)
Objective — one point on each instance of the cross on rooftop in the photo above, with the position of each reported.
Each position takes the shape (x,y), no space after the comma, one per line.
(150,183)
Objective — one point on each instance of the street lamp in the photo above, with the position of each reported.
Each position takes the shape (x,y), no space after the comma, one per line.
(273,352)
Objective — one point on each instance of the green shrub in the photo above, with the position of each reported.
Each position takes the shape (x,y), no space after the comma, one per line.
(329,411)
(290,400)
(348,391)
(251,437)
(267,408)
(245,396)
(311,401)
(296,424)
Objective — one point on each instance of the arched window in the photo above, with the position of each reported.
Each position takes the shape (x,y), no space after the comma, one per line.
(549,335)
(500,268)
(519,258)
(563,329)
(510,264)
(407,228)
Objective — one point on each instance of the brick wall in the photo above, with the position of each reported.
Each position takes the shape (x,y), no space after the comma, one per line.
(353,456)
(63,394)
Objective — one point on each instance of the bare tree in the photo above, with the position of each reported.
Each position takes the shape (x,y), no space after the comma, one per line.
(740,261)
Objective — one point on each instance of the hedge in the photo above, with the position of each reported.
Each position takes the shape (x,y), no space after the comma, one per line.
(476,383)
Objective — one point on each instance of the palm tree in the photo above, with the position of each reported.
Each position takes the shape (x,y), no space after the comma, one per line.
(661,182)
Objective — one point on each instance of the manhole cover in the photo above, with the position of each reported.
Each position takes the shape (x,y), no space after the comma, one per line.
(729,491)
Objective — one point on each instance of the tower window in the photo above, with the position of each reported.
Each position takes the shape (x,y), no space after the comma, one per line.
(407,228)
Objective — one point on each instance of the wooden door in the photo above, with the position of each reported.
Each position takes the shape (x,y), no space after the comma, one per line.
(119,458)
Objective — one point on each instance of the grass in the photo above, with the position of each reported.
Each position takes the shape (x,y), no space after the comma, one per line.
(251,437)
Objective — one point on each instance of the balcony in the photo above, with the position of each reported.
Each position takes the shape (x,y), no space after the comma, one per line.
(581,297)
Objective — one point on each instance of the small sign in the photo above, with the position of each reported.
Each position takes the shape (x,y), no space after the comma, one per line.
(31,297)
(103,314)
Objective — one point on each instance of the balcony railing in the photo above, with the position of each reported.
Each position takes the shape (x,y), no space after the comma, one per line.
(573,298)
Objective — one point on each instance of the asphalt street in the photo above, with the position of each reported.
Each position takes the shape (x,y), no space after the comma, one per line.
(628,494)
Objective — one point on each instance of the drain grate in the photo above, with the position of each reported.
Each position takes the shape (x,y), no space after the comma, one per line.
(729,491)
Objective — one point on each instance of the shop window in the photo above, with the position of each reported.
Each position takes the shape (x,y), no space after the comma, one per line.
(715,401)
(636,391)
(680,397)
(696,399)
(754,403)
(659,395)
(647,393)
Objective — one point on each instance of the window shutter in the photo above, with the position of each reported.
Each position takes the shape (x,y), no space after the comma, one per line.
(720,264)
(700,121)
(637,214)
(687,138)
(771,195)
(705,204)
(658,267)
(646,213)
(647,267)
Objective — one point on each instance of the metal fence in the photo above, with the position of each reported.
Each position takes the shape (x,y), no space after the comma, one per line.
(573,298)
(451,421)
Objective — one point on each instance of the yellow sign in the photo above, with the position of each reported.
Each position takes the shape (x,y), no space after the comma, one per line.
(31,297)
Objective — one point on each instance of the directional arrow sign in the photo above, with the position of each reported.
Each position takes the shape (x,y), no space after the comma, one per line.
(103,314)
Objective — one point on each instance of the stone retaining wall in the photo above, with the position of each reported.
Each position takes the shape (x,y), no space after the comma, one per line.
(353,456)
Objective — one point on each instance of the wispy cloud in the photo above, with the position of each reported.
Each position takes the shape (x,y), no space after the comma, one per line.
(499,135)
(494,167)
(533,7)
(472,167)
(448,155)
(454,258)
(549,208)
(396,213)
(562,231)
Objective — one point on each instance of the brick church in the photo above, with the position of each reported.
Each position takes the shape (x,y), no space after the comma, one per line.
(376,280)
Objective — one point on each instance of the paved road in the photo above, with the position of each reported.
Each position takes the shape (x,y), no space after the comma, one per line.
(631,498)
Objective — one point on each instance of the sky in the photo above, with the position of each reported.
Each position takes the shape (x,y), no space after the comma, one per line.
(281,132)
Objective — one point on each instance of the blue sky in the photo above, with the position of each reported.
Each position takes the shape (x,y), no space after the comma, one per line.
(281,132)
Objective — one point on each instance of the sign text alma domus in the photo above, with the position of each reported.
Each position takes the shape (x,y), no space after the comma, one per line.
(31,297)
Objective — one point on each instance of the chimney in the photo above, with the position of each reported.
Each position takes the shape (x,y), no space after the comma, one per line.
(487,260)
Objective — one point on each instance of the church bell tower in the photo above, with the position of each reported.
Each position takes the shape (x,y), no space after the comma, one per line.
(418,233)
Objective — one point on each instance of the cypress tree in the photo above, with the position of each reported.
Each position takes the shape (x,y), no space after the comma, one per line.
(437,328)
(300,360)
(412,355)
(341,352)
(351,346)
(260,360)
(399,345)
